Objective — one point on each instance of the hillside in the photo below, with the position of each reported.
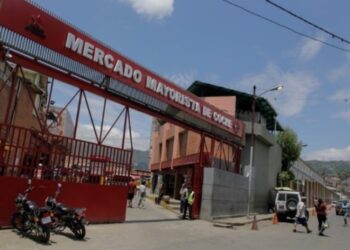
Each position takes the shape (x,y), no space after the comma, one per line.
(330,168)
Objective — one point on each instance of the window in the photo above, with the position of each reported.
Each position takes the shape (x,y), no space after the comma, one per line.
(169,148)
(183,143)
(282,197)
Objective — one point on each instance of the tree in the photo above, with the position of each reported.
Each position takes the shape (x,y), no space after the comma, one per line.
(291,149)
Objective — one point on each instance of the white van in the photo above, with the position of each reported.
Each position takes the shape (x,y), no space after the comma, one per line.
(286,204)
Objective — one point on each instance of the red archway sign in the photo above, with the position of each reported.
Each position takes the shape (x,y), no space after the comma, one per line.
(41,41)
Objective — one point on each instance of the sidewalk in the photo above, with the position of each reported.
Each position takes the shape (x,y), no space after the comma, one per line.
(241,221)
(221,222)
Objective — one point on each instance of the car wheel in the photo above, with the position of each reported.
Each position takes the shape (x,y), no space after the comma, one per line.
(291,205)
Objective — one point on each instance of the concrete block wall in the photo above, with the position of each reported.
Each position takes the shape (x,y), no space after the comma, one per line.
(224,194)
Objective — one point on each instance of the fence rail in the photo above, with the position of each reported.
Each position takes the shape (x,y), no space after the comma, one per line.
(28,153)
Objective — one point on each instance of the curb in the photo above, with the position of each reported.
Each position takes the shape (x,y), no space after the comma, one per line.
(232,224)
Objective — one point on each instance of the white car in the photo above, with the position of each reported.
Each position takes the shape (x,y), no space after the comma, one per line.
(286,204)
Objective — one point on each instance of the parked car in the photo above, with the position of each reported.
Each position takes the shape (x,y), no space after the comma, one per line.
(338,207)
(286,204)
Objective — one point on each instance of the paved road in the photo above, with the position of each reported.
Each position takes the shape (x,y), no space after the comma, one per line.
(156,228)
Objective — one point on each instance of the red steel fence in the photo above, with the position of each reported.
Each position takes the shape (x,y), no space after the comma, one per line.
(28,153)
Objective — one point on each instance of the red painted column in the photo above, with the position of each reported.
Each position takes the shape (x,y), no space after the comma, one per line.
(197,185)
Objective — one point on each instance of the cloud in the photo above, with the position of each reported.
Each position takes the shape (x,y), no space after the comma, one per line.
(342,72)
(86,133)
(344,115)
(298,86)
(330,154)
(342,97)
(310,48)
(183,80)
(140,123)
(157,9)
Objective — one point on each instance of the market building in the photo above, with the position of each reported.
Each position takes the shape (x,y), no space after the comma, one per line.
(225,183)
(44,43)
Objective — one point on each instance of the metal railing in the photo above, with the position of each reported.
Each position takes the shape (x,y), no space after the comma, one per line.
(31,154)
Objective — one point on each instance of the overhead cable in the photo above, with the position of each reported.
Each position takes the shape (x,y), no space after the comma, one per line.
(285,27)
(308,22)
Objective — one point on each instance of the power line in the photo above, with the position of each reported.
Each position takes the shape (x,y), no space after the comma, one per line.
(308,22)
(284,26)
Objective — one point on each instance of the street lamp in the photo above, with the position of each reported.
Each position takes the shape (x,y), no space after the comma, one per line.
(252,141)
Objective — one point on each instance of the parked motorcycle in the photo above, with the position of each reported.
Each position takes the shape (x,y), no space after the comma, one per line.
(29,218)
(64,217)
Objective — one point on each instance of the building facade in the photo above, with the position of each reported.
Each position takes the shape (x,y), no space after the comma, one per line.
(224,182)
(60,122)
(311,184)
(29,99)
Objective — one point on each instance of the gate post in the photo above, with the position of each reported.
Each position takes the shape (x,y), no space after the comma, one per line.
(197,180)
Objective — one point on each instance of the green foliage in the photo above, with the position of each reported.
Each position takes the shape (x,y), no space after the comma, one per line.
(291,148)
(284,177)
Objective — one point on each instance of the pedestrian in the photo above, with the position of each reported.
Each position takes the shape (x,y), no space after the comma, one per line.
(131,192)
(189,202)
(160,194)
(345,209)
(183,194)
(321,211)
(300,217)
(142,194)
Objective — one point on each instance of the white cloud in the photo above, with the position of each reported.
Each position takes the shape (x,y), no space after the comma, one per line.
(298,86)
(342,72)
(157,9)
(310,48)
(86,132)
(344,115)
(342,97)
(183,80)
(330,154)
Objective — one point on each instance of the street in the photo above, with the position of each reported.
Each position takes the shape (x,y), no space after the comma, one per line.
(154,228)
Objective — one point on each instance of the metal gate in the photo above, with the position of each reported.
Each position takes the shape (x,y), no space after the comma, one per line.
(32,154)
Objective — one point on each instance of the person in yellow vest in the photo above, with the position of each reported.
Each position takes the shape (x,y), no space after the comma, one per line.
(189,203)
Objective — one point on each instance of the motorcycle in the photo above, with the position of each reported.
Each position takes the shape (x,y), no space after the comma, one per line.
(64,217)
(29,218)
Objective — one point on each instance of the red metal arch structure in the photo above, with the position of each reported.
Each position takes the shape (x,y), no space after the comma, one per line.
(34,38)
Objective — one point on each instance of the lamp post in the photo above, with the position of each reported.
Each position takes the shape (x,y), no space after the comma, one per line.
(252,141)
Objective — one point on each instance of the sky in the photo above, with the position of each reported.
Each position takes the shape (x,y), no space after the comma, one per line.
(214,41)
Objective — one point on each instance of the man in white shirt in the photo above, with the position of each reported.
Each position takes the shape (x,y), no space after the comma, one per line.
(300,217)
(142,194)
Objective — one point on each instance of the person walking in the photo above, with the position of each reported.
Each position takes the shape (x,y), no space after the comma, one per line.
(188,204)
(345,209)
(131,192)
(183,194)
(160,194)
(300,217)
(142,194)
(321,211)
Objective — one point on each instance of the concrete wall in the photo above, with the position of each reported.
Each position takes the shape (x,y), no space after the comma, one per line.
(224,194)
(267,163)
